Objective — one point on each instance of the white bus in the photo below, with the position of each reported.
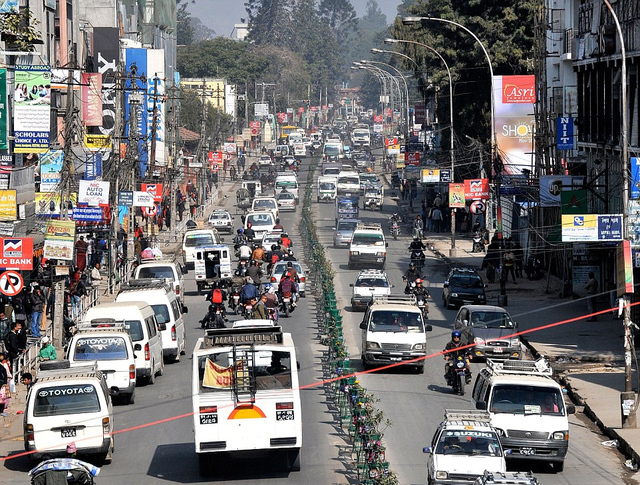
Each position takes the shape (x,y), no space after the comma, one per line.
(246,395)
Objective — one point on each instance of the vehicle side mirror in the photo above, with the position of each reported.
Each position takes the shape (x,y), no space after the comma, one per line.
(221,239)
(184,269)
(426,449)
(571,409)
(363,325)
(185,309)
(445,284)
(137,347)
(386,245)
(428,328)
(162,326)
(333,228)
(351,285)
(515,324)
(481,405)
(298,365)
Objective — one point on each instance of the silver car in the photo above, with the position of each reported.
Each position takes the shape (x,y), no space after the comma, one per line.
(344,232)
(279,269)
(221,220)
(490,328)
(286,201)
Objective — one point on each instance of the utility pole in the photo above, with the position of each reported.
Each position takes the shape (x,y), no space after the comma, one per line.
(135,99)
(152,161)
(115,155)
(200,155)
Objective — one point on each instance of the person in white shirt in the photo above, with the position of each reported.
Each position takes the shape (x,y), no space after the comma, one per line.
(95,273)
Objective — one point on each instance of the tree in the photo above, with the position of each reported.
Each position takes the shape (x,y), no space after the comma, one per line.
(270,22)
(340,16)
(185,32)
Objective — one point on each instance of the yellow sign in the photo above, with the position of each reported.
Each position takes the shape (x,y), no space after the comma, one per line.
(97,142)
(8,205)
(216,376)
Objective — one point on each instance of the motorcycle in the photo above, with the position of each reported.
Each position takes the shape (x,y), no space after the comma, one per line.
(418,257)
(478,243)
(423,304)
(459,374)
(241,270)
(234,299)
(395,228)
(248,310)
(272,314)
(287,304)
(214,318)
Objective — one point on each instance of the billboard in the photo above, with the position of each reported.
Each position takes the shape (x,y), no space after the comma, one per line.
(90,91)
(93,193)
(31,109)
(16,253)
(156,90)
(3,109)
(475,189)
(50,168)
(59,237)
(8,205)
(140,84)
(591,227)
(48,204)
(514,120)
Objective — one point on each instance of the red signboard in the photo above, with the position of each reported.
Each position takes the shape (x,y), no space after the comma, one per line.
(389,142)
(476,189)
(155,189)
(518,89)
(215,157)
(254,124)
(377,118)
(16,253)
(282,117)
(412,157)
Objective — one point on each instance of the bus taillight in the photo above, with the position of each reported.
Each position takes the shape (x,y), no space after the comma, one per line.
(284,405)
(208,409)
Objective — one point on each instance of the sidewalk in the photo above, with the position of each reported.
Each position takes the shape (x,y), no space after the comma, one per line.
(587,357)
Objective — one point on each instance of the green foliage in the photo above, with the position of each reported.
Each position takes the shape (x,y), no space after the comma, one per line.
(19,30)
(184,32)
(218,126)
(340,16)
(505,29)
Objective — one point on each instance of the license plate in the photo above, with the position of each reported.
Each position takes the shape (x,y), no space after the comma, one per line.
(379,260)
(467,302)
(527,451)
(498,350)
(68,432)
(285,415)
(208,419)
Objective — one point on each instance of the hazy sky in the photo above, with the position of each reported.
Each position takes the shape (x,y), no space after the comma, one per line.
(221,15)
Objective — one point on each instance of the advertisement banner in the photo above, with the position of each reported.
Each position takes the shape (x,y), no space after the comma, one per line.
(16,253)
(97,142)
(59,237)
(48,204)
(456,195)
(476,189)
(564,133)
(93,193)
(624,268)
(31,109)
(3,109)
(156,90)
(50,168)
(140,86)
(155,190)
(514,120)
(635,178)
(142,199)
(90,91)
(430,176)
(92,214)
(106,51)
(551,186)
(230,148)
(8,205)
(591,227)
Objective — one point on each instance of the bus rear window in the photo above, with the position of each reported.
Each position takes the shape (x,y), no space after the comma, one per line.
(68,399)
(198,240)
(101,348)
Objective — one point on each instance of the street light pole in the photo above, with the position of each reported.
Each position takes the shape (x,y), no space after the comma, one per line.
(385,75)
(381,79)
(452,252)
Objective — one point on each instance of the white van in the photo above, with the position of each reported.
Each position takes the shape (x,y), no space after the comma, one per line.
(288,183)
(140,321)
(266,204)
(213,263)
(327,188)
(348,183)
(171,271)
(69,406)
(527,406)
(393,332)
(111,349)
(194,238)
(261,222)
(168,310)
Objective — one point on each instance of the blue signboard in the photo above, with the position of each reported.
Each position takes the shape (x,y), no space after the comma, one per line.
(139,58)
(635,178)
(610,227)
(445,176)
(87,214)
(564,133)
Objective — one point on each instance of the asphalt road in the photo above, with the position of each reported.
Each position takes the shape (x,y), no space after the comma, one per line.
(155,442)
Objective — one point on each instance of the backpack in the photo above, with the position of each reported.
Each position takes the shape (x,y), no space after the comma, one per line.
(216,297)
(274,258)
(286,286)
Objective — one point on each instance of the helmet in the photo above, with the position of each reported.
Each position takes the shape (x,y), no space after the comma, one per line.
(280,241)
(412,265)
(418,281)
(455,334)
(274,247)
(284,234)
(256,245)
(239,231)
(289,264)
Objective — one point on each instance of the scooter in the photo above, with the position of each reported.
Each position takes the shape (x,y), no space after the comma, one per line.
(241,270)
(234,299)
(423,304)
(248,310)
(478,243)
(417,258)
(394,222)
(272,313)
(459,374)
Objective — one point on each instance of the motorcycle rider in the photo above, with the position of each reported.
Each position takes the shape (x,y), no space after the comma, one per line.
(288,287)
(249,291)
(417,246)
(216,298)
(239,239)
(410,276)
(249,233)
(285,241)
(292,272)
(259,311)
(244,252)
(289,256)
(271,302)
(258,252)
(278,226)
(254,272)
(452,354)
(275,256)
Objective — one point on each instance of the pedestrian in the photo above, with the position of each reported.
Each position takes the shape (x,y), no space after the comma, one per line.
(48,351)
(591,286)
(436,217)
(37,302)
(27,380)
(491,272)
(193,203)
(232,173)
(12,343)
(179,204)
(81,253)
(518,252)
(90,249)
(5,329)
(509,263)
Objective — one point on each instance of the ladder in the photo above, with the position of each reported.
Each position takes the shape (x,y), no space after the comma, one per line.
(244,381)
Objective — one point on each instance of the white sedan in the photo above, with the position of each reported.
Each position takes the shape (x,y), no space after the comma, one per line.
(286,201)
(280,268)
(221,220)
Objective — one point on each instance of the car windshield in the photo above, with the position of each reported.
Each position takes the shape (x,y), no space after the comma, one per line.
(218,216)
(286,184)
(194,240)
(368,178)
(260,219)
(523,399)
(347,205)
(375,239)
(372,282)
(331,150)
(396,321)
(487,319)
(100,348)
(155,272)
(348,180)
(468,442)
(347,225)
(264,204)
(466,281)
(327,186)
(280,268)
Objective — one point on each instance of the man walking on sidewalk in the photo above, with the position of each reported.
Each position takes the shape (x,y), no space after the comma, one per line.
(591,286)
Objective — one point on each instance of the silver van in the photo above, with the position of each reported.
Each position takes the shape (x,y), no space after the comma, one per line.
(140,321)
(168,311)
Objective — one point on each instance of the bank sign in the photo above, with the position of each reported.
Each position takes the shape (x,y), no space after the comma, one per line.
(16,253)
(93,193)
(591,227)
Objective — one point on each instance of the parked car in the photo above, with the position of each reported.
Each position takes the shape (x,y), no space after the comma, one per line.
(463,287)
(221,220)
